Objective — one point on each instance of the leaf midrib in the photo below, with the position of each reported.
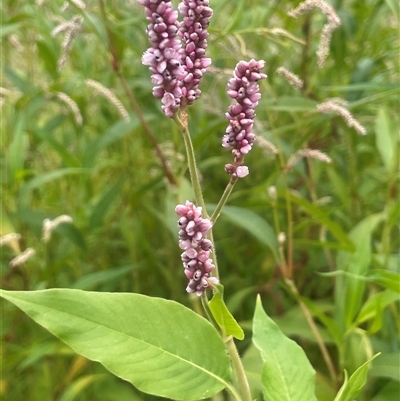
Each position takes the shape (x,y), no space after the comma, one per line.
(130,337)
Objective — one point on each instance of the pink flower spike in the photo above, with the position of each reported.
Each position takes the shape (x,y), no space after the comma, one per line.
(163,57)
(193,32)
(239,136)
(196,257)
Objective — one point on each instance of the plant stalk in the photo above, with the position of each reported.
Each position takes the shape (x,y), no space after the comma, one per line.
(194,177)
(183,126)
(223,199)
(239,373)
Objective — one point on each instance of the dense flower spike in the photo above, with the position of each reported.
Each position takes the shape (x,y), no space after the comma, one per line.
(163,57)
(243,87)
(193,31)
(192,239)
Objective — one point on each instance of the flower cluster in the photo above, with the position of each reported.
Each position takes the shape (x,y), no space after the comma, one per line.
(243,87)
(163,57)
(193,31)
(192,239)
(177,70)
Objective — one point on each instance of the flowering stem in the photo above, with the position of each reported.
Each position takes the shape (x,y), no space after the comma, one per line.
(240,375)
(223,199)
(183,126)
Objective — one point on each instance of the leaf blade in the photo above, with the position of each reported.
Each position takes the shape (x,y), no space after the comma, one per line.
(352,386)
(287,374)
(254,224)
(222,315)
(103,326)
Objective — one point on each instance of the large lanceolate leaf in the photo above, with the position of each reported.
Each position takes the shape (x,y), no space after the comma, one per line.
(159,346)
(287,374)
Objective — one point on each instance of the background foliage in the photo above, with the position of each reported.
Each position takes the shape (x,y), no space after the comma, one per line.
(106,176)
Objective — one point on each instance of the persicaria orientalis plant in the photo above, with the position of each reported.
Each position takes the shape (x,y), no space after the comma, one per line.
(162,347)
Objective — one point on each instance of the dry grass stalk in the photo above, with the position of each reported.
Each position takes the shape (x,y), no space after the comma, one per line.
(327,30)
(109,95)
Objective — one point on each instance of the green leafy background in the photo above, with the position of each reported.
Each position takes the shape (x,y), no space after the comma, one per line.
(107,177)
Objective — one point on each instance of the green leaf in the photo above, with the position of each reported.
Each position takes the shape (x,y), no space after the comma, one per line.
(329,322)
(349,290)
(390,392)
(48,56)
(114,389)
(77,386)
(356,349)
(6,29)
(351,387)
(47,135)
(395,7)
(7,227)
(291,104)
(390,280)
(387,365)
(384,138)
(361,73)
(18,80)
(322,217)
(73,234)
(287,374)
(99,211)
(374,305)
(113,134)
(235,18)
(159,346)
(18,147)
(46,178)
(37,351)
(323,389)
(294,323)
(97,26)
(91,280)
(221,314)
(254,224)
(253,365)
(236,300)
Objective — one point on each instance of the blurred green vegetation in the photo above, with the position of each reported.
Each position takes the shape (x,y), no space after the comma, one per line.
(106,175)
